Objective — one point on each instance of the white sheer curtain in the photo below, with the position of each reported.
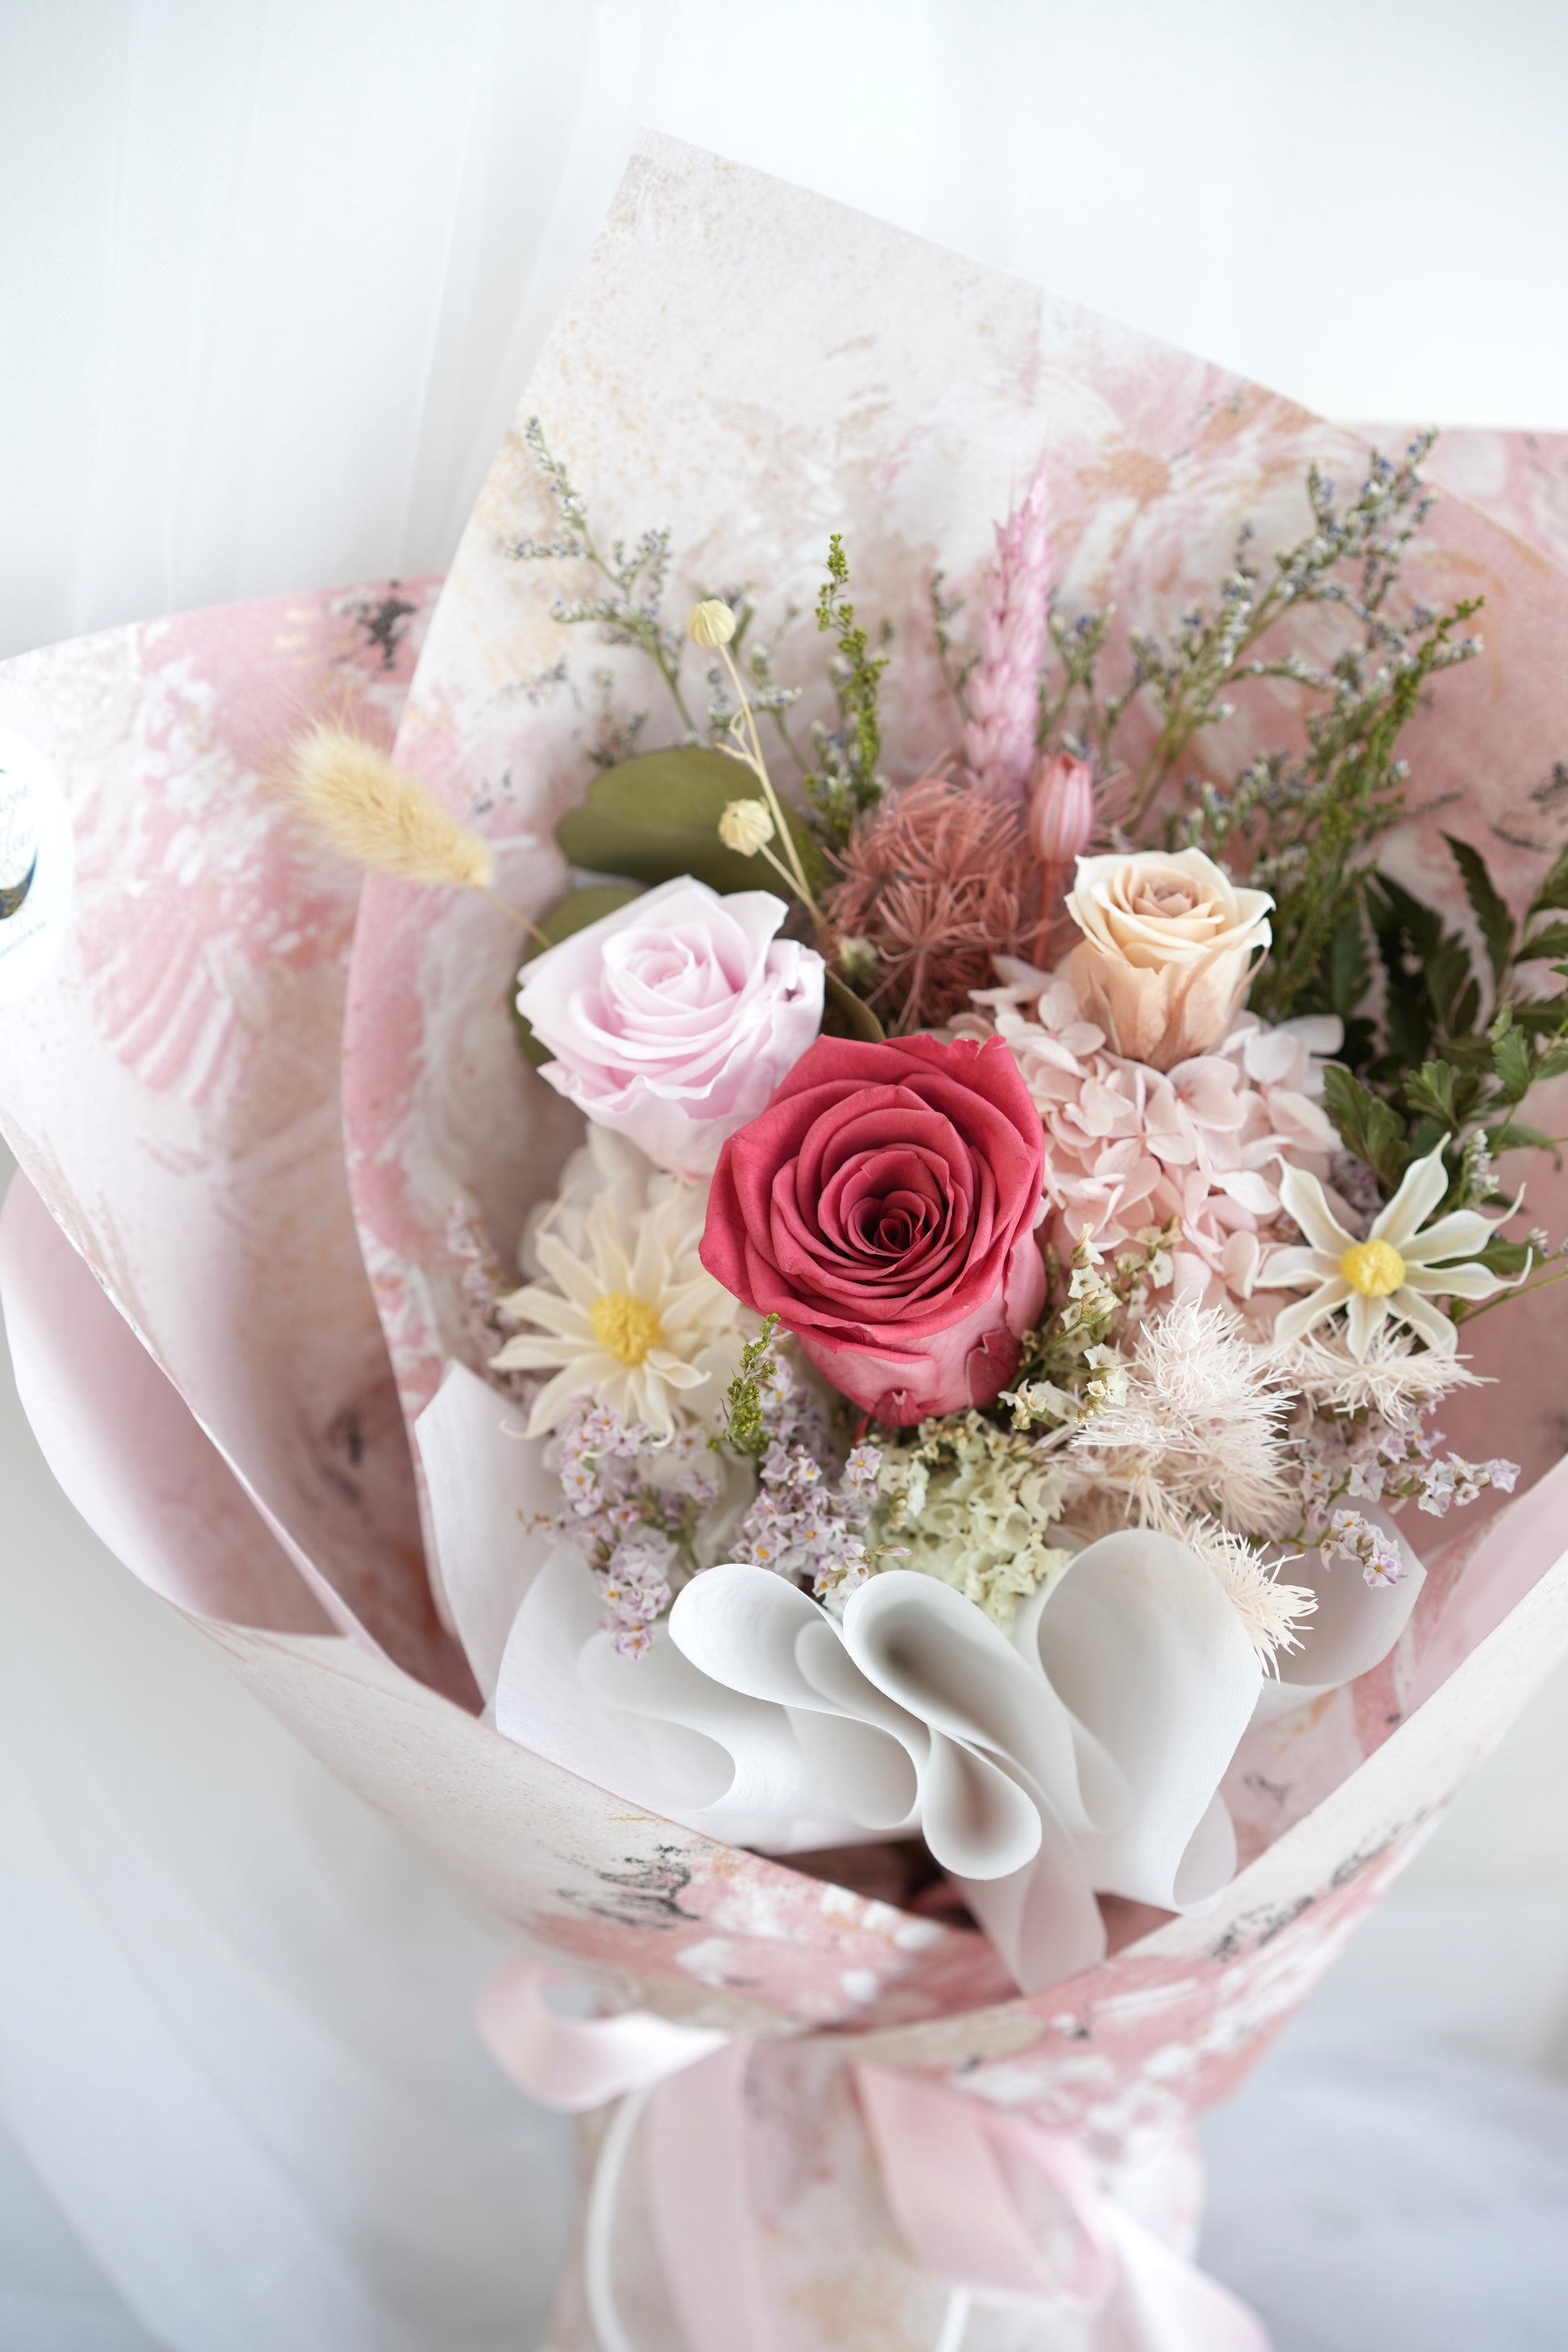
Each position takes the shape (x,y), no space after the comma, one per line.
(274,270)
(272,277)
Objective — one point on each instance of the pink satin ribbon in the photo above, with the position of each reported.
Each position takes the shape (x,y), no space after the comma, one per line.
(948,2164)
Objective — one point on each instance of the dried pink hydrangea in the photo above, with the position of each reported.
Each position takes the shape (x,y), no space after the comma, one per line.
(1129,1148)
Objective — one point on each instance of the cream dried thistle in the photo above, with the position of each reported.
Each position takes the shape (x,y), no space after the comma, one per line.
(1198,1428)
(1394,1381)
(931,882)
(1271,1611)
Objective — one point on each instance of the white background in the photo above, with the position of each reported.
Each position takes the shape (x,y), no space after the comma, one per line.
(271,278)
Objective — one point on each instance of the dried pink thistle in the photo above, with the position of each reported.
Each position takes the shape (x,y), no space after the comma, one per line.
(1002,695)
(933,879)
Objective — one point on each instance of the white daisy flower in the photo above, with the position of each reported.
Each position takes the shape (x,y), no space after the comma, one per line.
(634,1319)
(1401,1266)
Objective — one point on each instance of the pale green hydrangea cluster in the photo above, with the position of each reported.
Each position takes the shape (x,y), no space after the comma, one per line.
(973,1504)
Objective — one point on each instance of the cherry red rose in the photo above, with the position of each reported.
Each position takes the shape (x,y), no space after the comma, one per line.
(883,1207)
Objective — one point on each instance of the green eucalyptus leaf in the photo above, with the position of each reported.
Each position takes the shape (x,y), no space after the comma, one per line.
(1407,935)
(1546,1016)
(844,1014)
(1509,1258)
(572,914)
(1396,907)
(1456,999)
(657,816)
(1512,1135)
(1348,970)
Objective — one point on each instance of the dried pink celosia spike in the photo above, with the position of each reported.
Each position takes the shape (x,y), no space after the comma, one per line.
(1002,691)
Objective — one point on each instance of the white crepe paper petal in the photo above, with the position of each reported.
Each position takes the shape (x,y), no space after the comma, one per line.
(748,1628)
(944,1660)
(876,1761)
(1140,1644)
(756,1766)
(1043,1919)
(1356,1623)
(491,1502)
(658,1733)
(979,1822)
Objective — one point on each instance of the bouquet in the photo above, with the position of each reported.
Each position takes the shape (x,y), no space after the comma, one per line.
(936,1060)
(970,1333)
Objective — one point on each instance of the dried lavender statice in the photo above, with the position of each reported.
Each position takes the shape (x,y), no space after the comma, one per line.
(1349,1537)
(1370,1462)
(632,1504)
(809,1519)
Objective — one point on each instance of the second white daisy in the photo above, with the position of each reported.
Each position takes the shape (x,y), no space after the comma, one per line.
(1399,1270)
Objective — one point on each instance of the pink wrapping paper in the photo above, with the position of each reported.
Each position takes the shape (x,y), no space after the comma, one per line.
(172,1095)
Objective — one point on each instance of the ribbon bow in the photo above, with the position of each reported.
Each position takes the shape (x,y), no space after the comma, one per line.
(949,2166)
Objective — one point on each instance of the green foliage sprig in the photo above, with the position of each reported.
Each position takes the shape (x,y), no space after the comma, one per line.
(632,613)
(1457,1052)
(743,1432)
(1315,818)
(845,781)
(1301,826)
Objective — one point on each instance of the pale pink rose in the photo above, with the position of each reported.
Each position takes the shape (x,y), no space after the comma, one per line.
(673,1020)
(1129,1148)
(1169,946)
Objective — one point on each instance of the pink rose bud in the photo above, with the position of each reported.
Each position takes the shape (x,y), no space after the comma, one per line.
(1062,812)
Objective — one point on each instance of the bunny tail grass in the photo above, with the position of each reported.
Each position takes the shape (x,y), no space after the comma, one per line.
(359,803)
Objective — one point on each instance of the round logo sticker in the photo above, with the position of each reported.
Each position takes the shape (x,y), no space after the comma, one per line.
(34,867)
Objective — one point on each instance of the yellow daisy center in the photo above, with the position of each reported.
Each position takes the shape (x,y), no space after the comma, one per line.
(1374,1268)
(626,1327)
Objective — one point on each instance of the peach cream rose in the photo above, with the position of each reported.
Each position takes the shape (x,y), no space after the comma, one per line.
(1170,945)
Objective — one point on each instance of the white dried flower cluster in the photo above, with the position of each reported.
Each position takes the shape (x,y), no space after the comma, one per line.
(1035,1403)
(1271,1611)
(972,1504)
(1395,1382)
(1199,1428)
